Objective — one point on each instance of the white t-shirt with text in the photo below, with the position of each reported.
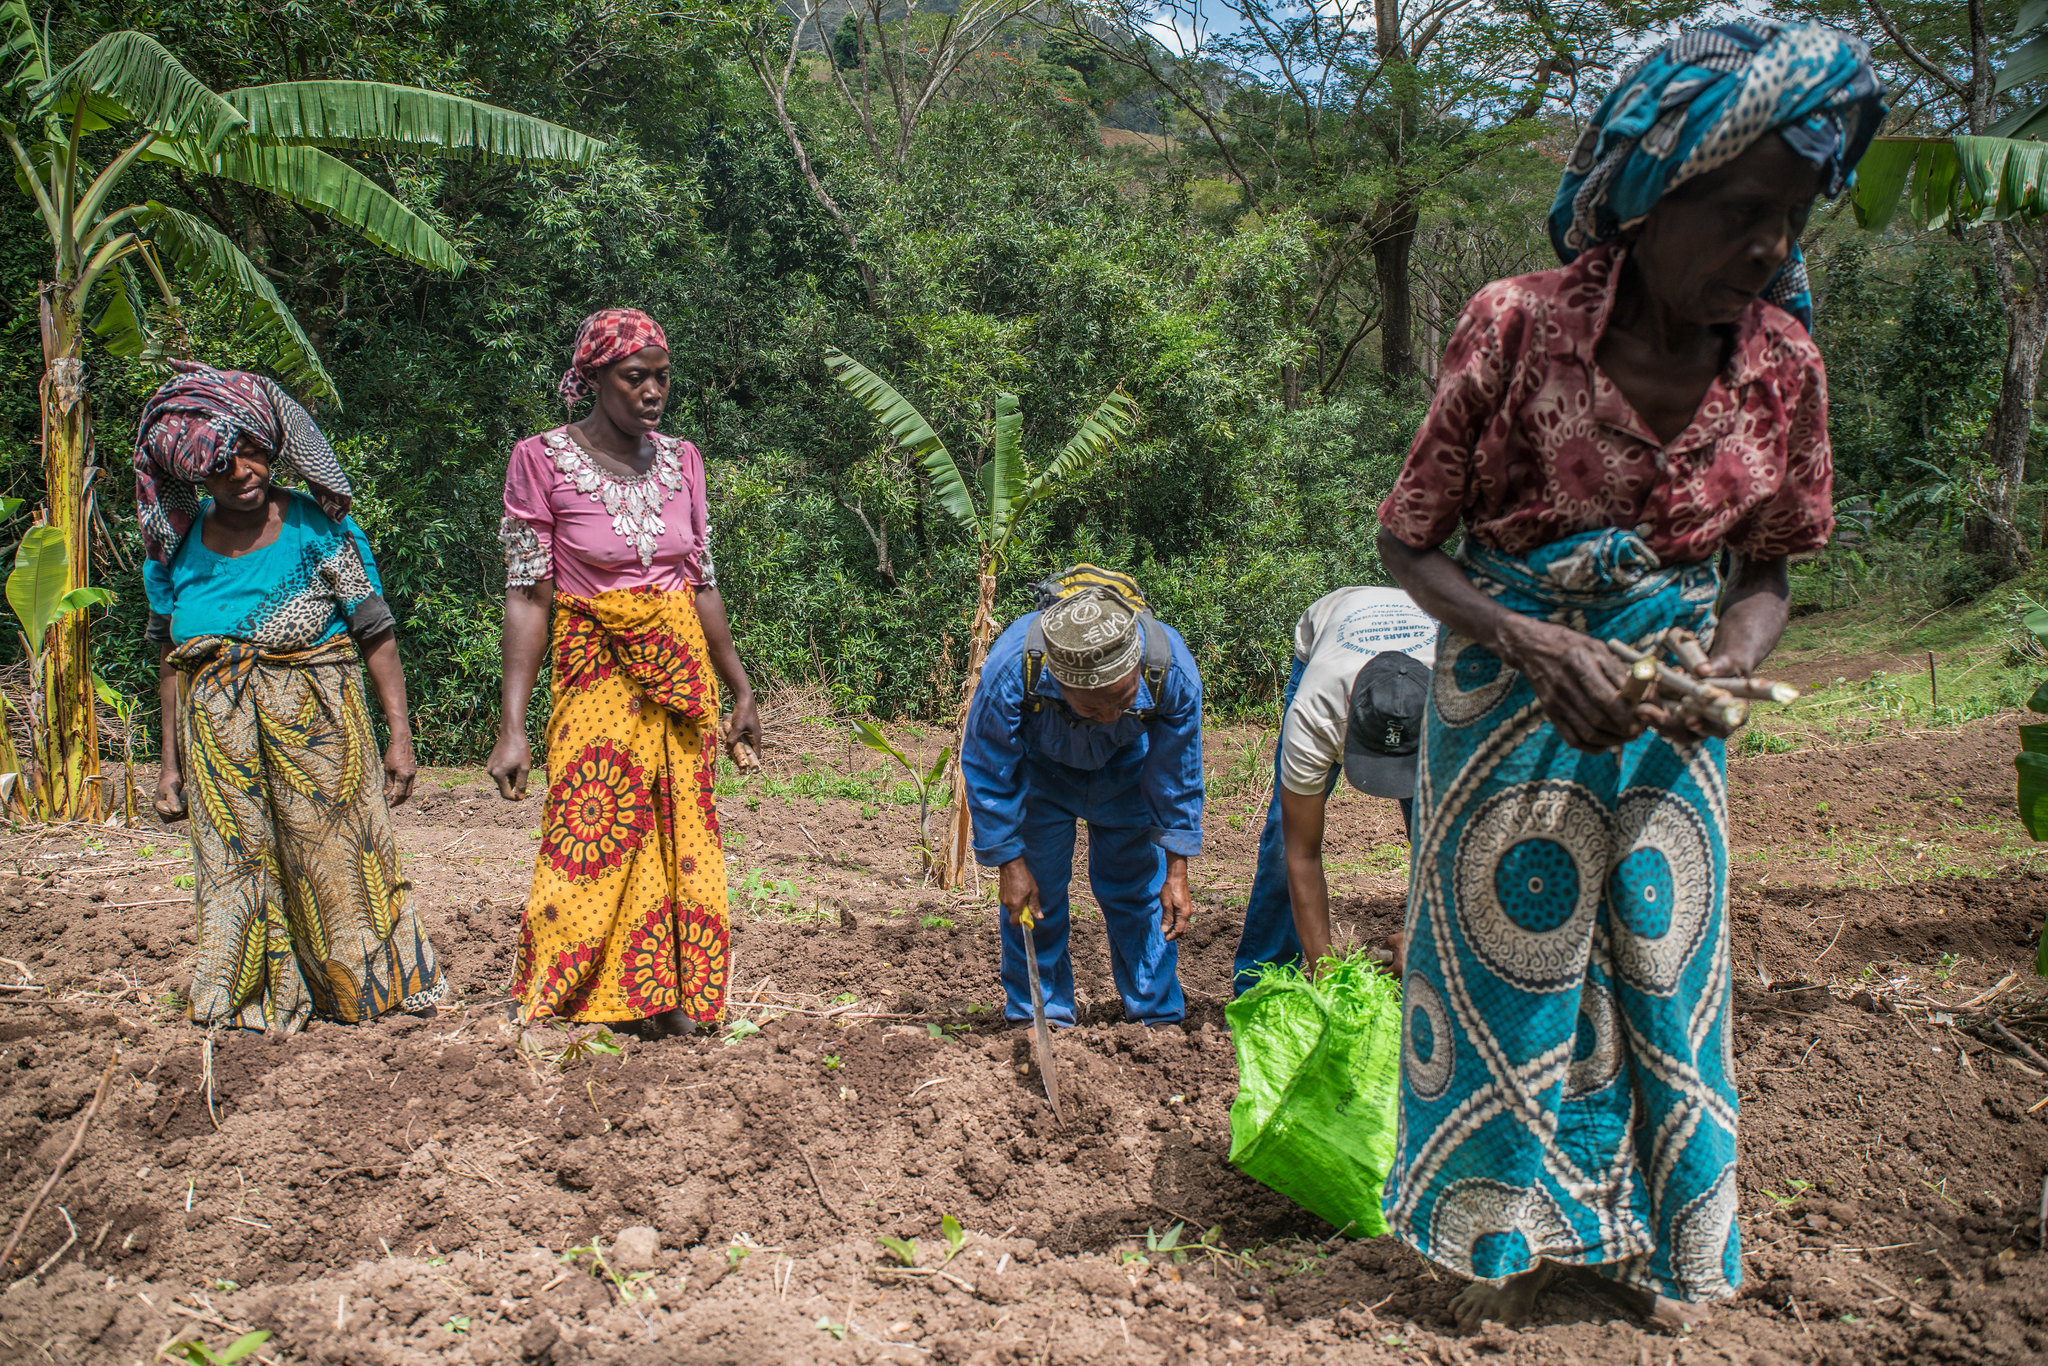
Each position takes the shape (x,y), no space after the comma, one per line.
(1334,638)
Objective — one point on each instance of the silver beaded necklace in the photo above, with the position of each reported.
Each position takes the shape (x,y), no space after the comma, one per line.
(634,504)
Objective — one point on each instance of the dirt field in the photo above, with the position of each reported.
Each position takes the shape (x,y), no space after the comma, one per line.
(410,1192)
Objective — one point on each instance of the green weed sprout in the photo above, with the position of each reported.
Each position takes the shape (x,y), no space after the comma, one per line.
(630,1288)
(741,1029)
(903,1250)
(926,782)
(586,1046)
(734,1255)
(199,1354)
(458,1324)
(837,1330)
(955,1236)
(1166,1244)
(832,1062)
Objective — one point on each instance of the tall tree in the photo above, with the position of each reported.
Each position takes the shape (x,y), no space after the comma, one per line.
(269,137)
(1354,114)
(898,55)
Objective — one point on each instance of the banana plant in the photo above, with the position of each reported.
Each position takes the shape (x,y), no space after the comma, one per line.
(1008,489)
(926,780)
(40,593)
(267,137)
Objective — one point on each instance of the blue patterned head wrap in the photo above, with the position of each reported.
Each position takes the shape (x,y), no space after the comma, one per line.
(1700,101)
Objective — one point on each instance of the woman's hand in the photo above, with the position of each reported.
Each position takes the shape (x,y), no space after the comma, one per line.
(1577,682)
(510,763)
(170,793)
(743,724)
(399,769)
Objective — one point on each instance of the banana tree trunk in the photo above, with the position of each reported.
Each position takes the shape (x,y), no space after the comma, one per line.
(68,786)
(959,837)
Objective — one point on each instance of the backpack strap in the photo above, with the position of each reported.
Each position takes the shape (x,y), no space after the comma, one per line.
(1034,664)
(1156,660)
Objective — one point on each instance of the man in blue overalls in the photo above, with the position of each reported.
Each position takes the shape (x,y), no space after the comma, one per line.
(1090,710)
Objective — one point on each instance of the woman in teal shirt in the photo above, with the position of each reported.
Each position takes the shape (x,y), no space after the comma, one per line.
(267,605)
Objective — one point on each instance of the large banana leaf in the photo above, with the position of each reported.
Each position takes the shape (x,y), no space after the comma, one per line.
(36,586)
(1112,419)
(136,78)
(375,117)
(310,177)
(21,56)
(1003,475)
(909,429)
(1970,179)
(192,246)
(123,325)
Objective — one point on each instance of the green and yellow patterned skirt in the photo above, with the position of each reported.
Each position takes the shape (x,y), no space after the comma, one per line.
(304,908)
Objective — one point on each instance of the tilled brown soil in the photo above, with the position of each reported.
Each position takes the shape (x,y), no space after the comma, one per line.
(408,1192)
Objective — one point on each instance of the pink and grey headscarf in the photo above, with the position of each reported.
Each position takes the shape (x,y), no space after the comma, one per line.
(605,337)
(190,429)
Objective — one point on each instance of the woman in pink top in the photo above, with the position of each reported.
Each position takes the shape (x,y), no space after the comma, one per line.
(605,530)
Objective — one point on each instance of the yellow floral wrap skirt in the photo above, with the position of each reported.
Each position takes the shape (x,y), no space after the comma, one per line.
(304,908)
(627,918)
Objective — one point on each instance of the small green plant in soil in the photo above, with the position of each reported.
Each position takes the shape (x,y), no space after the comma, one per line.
(837,1330)
(1165,1244)
(904,1250)
(832,1062)
(631,1288)
(199,1354)
(735,1255)
(936,922)
(925,780)
(587,1047)
(741,1029)
(955,1236)
(1797,1187)
(459,1323)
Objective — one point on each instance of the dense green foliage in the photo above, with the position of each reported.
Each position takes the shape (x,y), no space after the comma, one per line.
(1010,251)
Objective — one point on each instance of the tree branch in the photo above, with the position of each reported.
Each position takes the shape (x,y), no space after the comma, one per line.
(1912,54)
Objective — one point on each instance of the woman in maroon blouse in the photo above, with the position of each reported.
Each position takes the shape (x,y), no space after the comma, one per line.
(1603,432)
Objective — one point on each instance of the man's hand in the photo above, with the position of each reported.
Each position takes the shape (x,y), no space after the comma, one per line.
(1175,910)
(1577,681)
(1017,889)
(170,794)
(399,768)
(510,762)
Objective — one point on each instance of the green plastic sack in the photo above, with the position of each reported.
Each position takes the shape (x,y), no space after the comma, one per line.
(1318,1065)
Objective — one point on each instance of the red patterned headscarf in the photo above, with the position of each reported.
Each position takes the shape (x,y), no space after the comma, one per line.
(190,428)
(605,337)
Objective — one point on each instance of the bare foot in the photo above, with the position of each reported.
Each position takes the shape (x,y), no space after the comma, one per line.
(1678,1315)
(1508,1304)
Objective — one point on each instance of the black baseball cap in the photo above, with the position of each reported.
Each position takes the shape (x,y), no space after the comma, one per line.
(1385,728)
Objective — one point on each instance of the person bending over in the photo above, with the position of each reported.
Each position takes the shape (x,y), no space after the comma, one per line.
(1347,709)
(1091,711)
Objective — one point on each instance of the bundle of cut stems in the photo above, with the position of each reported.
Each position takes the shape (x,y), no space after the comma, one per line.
(1719,704)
